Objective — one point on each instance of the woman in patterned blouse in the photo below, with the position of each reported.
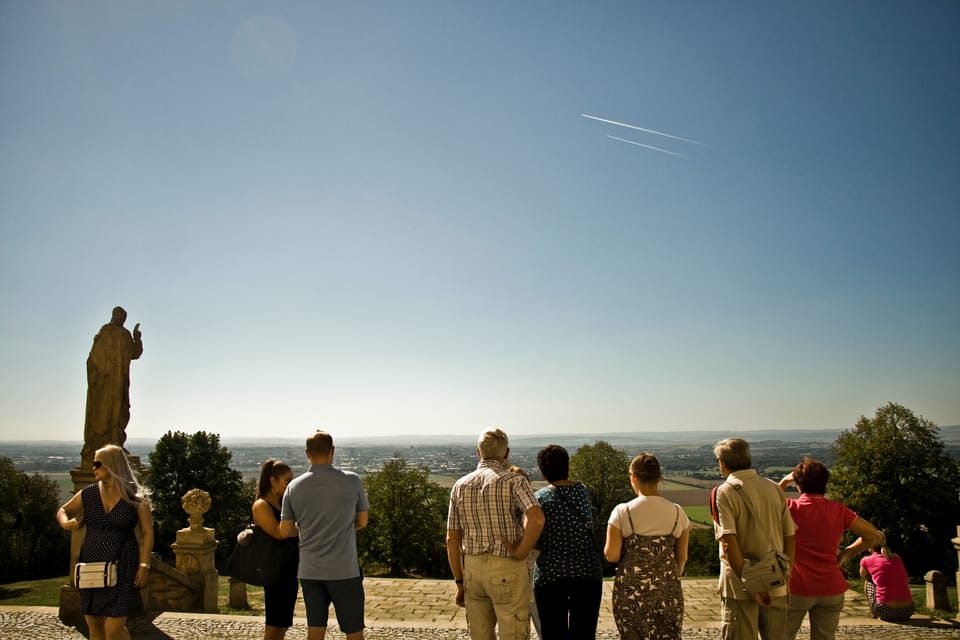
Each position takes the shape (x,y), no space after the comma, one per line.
(568,578)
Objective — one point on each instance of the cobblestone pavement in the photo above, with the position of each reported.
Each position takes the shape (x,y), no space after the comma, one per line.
(424,609)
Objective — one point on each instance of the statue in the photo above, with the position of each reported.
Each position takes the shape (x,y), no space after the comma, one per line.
(108,385)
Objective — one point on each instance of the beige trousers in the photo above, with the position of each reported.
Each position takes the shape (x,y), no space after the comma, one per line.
(496,593)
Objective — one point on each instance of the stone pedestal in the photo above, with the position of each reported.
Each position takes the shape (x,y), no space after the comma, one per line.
(937,591)
(196,548)
(956,545)
(69,594)
(238,594)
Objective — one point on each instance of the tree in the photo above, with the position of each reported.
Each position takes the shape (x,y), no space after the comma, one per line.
(407,526)
(894,471)
(32,544)
(703,557)
(606,473)
(181,462)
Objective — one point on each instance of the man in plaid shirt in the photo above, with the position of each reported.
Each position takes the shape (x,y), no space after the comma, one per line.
(493,522)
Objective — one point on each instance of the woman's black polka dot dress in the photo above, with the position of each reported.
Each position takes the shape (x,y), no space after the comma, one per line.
(110,536)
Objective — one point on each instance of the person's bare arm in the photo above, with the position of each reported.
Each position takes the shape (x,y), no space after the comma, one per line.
(613,545)
(790,549)
(263,517)
(362,518)
(455,558)
(145,520)
(680,550)
(70,515)
(869,536)
(533,527)
(288,529)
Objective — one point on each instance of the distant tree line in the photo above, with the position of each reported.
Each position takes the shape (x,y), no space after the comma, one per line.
(893,469)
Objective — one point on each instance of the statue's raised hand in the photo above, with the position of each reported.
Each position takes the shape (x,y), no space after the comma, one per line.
(136,331)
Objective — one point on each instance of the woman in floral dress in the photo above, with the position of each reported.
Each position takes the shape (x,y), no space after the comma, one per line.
(647,540)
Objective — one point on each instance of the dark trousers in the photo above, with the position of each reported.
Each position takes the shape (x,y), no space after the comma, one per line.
(569,608)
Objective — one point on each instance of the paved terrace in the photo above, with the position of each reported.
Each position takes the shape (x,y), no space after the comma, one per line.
(424,609)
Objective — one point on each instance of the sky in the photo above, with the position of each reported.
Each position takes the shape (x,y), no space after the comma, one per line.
(437,217)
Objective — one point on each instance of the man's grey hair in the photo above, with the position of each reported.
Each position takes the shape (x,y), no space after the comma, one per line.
(734,453)
(493,445)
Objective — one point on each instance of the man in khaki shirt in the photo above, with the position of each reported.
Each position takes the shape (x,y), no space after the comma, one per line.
(747,532)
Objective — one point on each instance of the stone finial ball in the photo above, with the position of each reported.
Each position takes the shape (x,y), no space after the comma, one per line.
(196,502)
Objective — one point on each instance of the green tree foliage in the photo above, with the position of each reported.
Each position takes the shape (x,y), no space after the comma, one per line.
(407,526)
(606,473)
(32,544)
(893,470)
(703,554)
(181,462)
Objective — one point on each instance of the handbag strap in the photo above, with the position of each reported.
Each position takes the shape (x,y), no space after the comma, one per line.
(746,503)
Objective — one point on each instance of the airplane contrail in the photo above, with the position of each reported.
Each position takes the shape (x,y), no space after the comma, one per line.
(630,126)
(646,146)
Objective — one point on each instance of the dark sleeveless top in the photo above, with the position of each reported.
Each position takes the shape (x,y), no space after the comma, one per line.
(110,536)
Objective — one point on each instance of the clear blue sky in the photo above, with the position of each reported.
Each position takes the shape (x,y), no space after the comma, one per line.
(392,217)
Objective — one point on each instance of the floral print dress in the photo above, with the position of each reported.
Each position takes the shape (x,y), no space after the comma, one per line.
(647,596)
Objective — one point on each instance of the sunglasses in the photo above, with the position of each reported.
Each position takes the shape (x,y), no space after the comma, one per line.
(96,464)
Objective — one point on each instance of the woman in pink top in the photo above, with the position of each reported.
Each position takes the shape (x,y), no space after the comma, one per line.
(886,586)
(817,585)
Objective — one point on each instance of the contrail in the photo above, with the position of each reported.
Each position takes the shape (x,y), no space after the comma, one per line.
(646,146)
(630,126)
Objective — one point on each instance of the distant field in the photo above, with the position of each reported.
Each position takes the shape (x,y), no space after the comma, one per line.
(63,480)
(699,514)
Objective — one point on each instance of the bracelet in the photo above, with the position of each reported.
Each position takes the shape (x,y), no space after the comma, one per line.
(144,565)
(458,581)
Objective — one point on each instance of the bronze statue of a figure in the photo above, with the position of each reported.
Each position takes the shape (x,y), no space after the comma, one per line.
(108,385)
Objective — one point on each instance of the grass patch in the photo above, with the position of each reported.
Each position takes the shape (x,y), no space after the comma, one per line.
(46,593)
(33,593)
(699,513)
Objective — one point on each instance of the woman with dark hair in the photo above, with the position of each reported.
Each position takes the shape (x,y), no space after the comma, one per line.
(885,583)
(568,578)
(111,508)
(817,585)
(647,538)
(280,597)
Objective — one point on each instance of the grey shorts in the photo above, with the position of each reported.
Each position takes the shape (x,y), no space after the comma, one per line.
(346,596)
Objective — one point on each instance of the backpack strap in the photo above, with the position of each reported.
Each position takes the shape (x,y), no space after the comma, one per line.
(714,512)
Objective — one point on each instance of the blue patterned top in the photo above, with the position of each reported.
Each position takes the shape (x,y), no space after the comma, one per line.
(566,545)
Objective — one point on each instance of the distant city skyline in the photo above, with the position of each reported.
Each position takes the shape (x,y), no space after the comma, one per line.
(388,218)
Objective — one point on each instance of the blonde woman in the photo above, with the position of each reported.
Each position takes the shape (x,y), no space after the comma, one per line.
(111,508)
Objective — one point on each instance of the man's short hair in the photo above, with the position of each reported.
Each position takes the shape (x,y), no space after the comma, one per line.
(320,443)
(734,453)
(493,445)
(554,463)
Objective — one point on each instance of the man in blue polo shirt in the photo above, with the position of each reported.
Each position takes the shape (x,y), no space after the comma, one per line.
(327,505)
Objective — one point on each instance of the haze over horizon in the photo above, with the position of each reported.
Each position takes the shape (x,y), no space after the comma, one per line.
(424,217)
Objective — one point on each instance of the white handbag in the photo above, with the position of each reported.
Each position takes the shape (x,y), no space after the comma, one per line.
(95,575)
